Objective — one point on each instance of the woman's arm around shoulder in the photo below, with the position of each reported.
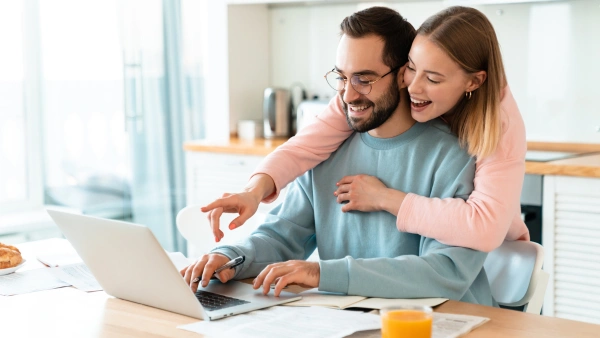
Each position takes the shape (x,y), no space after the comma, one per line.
(491,213)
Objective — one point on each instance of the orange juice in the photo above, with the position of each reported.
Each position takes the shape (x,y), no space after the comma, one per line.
(406,323)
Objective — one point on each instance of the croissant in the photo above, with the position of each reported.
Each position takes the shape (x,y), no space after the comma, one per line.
(10,256)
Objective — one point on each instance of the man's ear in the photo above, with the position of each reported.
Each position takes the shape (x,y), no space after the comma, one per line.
(400,76)
(477,79)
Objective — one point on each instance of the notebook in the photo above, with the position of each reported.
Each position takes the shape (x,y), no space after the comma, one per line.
(130,264)
(313,297)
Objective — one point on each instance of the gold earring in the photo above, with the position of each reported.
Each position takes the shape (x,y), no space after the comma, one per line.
(468,95)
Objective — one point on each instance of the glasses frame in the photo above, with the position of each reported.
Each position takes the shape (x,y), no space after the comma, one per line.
(356,75)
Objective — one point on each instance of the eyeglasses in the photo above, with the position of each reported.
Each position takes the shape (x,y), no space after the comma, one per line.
(361,83)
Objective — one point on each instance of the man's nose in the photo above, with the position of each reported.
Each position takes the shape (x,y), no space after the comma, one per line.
(349,94)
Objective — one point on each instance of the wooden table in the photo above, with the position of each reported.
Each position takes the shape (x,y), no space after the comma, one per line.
(68,312)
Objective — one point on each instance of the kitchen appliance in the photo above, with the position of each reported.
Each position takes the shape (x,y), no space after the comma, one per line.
(307,112)
(277,113)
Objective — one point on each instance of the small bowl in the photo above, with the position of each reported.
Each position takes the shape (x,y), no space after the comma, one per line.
(13,269)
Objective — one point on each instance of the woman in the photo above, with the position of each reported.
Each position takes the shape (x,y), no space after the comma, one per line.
(456,43)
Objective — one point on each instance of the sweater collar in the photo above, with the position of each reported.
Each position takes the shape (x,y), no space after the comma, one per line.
(396,141)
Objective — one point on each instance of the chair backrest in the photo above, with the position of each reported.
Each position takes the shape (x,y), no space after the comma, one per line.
(515,273)
(194,226)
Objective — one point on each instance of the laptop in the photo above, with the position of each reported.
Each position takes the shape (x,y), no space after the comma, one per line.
(130,264)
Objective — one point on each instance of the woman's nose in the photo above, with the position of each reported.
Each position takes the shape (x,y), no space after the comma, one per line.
(414,85)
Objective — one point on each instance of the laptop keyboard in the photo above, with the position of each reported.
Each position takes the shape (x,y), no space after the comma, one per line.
(212,301)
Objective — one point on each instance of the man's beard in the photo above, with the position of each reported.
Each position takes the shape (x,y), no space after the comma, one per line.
(382,110)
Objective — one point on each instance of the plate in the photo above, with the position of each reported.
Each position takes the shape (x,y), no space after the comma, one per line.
(11,270)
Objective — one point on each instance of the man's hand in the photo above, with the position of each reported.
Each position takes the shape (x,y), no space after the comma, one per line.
(303,273)
(205,268)
(245,204)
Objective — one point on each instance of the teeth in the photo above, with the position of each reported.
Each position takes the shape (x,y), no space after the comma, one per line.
(417,101)
(359,108)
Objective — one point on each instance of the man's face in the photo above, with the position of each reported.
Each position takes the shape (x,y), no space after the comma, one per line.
(363,56)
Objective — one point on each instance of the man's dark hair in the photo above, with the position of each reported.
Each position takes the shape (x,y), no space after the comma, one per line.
(397,33)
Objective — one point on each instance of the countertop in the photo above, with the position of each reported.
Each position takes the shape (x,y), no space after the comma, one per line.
(585,165)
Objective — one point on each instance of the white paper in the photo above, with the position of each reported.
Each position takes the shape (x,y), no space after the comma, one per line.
(281,321)
(445,325)
(59,259)
(448,325)
(314,297)
(29,281)
(380,303)
(77,275)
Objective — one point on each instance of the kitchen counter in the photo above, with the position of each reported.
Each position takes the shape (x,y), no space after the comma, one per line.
(259,147)
(585,165)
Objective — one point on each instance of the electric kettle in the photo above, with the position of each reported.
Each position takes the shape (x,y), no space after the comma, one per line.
(277,113)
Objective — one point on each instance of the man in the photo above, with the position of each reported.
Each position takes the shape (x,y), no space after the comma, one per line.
(363,253)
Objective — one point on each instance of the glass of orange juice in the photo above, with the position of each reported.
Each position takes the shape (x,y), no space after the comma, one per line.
(406,321)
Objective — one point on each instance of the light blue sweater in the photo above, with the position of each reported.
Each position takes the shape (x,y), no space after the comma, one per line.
(363,253)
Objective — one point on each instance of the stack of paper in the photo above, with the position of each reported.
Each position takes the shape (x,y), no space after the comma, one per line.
(320,322)
(282,321)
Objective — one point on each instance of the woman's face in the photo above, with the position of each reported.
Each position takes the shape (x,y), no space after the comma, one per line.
(435,82)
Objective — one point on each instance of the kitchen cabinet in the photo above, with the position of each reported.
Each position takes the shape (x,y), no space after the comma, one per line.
(571,238)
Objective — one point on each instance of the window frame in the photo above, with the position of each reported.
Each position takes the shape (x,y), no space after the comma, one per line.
(32,113)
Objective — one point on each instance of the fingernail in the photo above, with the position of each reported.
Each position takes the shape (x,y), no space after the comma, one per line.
(231,226)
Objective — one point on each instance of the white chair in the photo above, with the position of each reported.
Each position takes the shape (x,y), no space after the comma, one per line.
(194,226)
(515,273)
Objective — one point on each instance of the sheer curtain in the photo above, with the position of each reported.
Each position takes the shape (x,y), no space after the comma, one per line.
(121,92)
(156,112)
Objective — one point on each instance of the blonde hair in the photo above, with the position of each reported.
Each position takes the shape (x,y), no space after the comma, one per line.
(468,37)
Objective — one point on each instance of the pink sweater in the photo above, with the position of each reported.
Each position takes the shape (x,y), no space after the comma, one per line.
(490,215)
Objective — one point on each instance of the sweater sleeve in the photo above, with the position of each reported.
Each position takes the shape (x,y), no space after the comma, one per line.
(312,145)
(288,233)
(491,212)
(439,271)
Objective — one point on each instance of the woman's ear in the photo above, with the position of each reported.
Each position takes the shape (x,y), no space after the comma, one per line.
(477,79)
(400,76)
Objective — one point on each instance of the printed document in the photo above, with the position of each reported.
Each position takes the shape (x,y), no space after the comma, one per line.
(77,275)
(283,321)
(29,281)
(445,325)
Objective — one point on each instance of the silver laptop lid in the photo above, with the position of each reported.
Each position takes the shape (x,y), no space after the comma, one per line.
(128,262)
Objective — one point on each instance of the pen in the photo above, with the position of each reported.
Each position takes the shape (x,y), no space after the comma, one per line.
(229,265)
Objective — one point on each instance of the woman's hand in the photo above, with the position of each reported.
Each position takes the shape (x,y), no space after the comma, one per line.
(244,203)
(367,193)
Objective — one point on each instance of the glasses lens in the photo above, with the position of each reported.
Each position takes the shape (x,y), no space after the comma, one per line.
(360,84)
(335,81)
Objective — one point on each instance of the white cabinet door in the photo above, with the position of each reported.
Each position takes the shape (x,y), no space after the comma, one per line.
(571,238)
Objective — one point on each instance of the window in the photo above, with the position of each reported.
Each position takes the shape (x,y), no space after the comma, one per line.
(20,181)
